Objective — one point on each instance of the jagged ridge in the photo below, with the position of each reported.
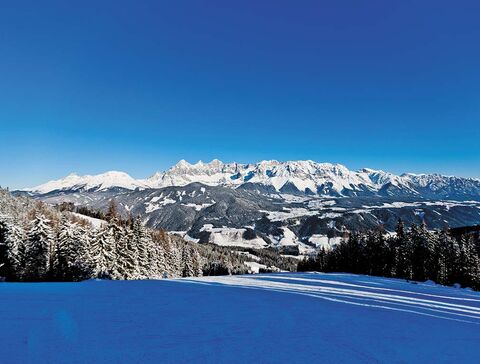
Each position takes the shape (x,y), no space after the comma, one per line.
(292,177)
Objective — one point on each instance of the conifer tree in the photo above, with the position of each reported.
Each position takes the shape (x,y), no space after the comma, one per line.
(442,250)
(66,250)
(187,262)
(173,258)
(197,263)
(15,241)
(82,267)
(156,258)
(127,256)
(102,253)
(142,244)
(5,264)
(376,253)
(403,250)
(469,263)
(400,229)
(422,254)
(112,212)
(39,249)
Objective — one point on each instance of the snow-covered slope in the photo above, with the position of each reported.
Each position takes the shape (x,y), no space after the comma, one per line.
(289,177)
(274,318)
(100,182)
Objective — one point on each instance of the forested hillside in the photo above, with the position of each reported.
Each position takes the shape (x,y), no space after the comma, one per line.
(42,243)
(446,257)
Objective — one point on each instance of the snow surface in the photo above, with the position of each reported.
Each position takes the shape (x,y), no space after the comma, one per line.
(323,241)
(254,267)
(232,237)
(266,318)
(198,207)
(288,213)
(96,223)
(288,238)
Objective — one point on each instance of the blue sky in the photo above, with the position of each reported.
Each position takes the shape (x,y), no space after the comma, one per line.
(137,85)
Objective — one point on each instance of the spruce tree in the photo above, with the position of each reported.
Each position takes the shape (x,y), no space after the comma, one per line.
(403,251)
(422,254)
(127,256)
(112,212)
(39,249)
(376,253)
(173,258)
(156,259)
(441,257)
(142,245)
(187,262)
(16,244)
(102,253)
(82,268)
(5,265)
(197,263)
(66,250)
(469,263)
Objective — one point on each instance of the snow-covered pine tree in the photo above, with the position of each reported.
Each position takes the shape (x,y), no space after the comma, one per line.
(82,267)
(66,250)
(153,271)
(127,256)
(191,262)
(85,262)
(160,263)
(5,265)
(15,241)
(197,263)
(173,258)
(469,263)
(157,261)
(102,253)
(117,260)
(142,245)
(39,249)
(187,262)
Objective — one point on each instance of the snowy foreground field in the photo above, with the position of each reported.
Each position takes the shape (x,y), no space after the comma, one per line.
(274,318)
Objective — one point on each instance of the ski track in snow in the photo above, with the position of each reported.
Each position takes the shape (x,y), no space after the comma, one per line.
(437,306)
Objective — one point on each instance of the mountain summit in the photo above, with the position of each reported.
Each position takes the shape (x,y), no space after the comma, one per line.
(99,182)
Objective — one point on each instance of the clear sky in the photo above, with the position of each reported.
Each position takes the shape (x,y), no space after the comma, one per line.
(91,86)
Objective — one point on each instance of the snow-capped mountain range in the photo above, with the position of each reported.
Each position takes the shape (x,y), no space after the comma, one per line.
(292,206)
(305,177)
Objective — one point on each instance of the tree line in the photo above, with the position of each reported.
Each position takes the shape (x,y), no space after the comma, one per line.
(46,248)
(413,254)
